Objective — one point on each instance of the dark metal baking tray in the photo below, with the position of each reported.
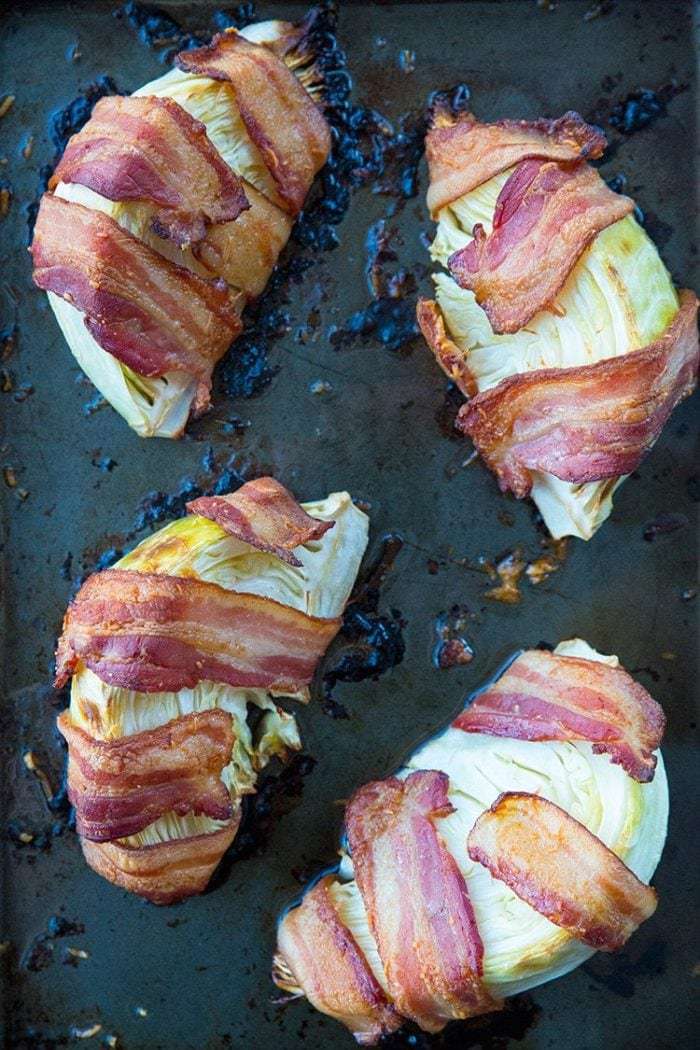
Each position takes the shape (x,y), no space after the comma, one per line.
(78,482)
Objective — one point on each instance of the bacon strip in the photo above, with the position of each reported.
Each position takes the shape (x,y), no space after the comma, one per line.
(119,787)
(545,216)
(416,899)
(147,312)
(329,967)
(167,872)
(563,871)
(280,117)
(463,153)
(156,633)
(447,354)
(264,514)
(587,423)
(245,252)
(543,696)
(148,148)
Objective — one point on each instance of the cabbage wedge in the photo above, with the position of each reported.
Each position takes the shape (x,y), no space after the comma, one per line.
(619,297)
(160,406)
(198,547)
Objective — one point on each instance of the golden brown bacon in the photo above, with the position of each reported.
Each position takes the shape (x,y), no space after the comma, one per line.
(280,117)
(157,633)
(119,787)
(264,514)
(448,355)
(147,312)
(166,872)
(244,252)
(587,423)
(416,899)
(546,214)
(151,149)
(544,696)
(463,153)
(324,959)
(563,871)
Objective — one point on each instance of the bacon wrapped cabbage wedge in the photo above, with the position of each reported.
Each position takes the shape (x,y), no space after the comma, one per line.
(168,211)
(172,650)
(557,320)
(450,893)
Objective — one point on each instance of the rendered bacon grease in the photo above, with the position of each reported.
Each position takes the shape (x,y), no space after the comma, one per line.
(504,852)
(558,320)
(168,211)
(210,618)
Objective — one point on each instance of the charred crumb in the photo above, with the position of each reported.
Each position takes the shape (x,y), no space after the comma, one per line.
(104,463)
(446,414)
(664,524)
(40,952)
(642,107)
(276,795)
(491,1032)
(452,647)
(8,341)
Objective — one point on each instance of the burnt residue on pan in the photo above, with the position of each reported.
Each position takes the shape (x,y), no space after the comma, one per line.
(369,642)
(276,794)
(389,318)
(452,646)
(490,1032)
(63,123)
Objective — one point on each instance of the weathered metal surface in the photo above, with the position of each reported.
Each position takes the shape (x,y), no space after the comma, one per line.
(342,411)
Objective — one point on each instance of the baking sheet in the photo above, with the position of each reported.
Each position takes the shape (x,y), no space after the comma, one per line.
(341,411)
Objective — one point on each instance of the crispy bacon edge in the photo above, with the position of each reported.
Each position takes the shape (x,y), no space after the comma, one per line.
(416,899)
(149,313)
(546,215)
(264,514)
(155,633)
(463,152)
(119,787)
(151,149)
(281,118)
(167,872)
(447,354)
(545,696)
(589,422)
(555,864)
(319,952)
